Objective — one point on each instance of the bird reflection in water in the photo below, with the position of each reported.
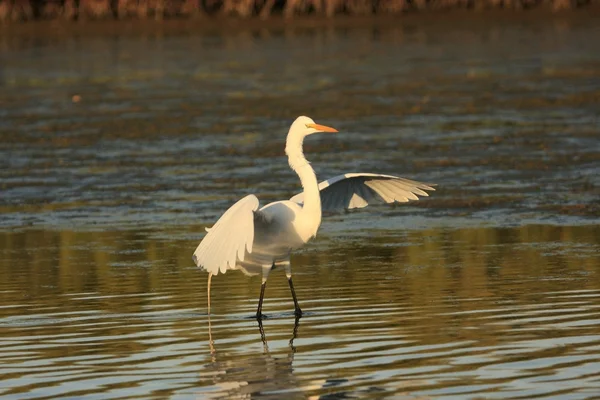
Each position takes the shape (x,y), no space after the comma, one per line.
(247,375)
(291,342)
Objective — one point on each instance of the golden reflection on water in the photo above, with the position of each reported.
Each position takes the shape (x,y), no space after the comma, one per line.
(436,312)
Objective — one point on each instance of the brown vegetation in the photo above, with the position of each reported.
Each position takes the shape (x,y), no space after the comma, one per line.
(25,10)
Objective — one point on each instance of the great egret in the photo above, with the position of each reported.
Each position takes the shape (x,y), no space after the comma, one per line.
(255,240)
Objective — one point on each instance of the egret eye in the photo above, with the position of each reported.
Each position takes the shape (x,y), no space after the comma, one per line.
(307,125)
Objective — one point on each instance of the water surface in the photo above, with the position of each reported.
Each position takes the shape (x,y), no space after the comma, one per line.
(441,313)
(119,148)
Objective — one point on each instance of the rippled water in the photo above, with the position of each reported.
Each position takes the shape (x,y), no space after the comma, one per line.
(490,288)
(447,313)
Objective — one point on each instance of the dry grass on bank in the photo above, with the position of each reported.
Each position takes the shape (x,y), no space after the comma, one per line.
(27,10)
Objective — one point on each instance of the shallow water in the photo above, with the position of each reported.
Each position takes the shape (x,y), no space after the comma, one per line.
(490,288)
(435,313)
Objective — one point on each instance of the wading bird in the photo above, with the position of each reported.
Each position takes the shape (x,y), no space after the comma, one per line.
(257,239)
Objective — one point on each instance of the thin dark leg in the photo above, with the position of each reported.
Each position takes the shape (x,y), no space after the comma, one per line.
(297,310)
(260,301)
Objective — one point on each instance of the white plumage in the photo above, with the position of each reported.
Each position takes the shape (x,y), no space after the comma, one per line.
(254,239)
(228,241)
(358,190)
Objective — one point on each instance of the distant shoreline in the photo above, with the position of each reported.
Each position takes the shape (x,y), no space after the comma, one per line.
(220,23)
(70,14)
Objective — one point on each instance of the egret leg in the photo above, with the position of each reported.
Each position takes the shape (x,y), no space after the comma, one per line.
(260,300)
(210,339)
(297,309)
(288,274)
(211,343)
(266,269)
(208,290)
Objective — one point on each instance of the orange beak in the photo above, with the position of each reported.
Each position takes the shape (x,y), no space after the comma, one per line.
(321,128)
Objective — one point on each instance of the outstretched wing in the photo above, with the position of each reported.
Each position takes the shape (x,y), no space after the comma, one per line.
(357,190)
(227,241)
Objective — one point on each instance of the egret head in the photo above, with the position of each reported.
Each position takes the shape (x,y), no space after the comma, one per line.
(305,126)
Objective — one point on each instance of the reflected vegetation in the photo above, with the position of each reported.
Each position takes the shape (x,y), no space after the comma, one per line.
(416,312)
(130,262)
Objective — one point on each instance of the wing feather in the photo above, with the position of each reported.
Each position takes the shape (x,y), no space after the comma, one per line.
(346,197)
(368,195)
(400,194)
(357,190)
(391,192)
(230,237)
(358,199)
(413,189)
(380,189)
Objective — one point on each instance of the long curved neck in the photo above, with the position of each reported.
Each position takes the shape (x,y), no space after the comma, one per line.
(312,197)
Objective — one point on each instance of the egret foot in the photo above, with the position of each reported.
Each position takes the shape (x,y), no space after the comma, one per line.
(260,317)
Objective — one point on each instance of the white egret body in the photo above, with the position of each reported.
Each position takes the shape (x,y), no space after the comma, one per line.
(254,239)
